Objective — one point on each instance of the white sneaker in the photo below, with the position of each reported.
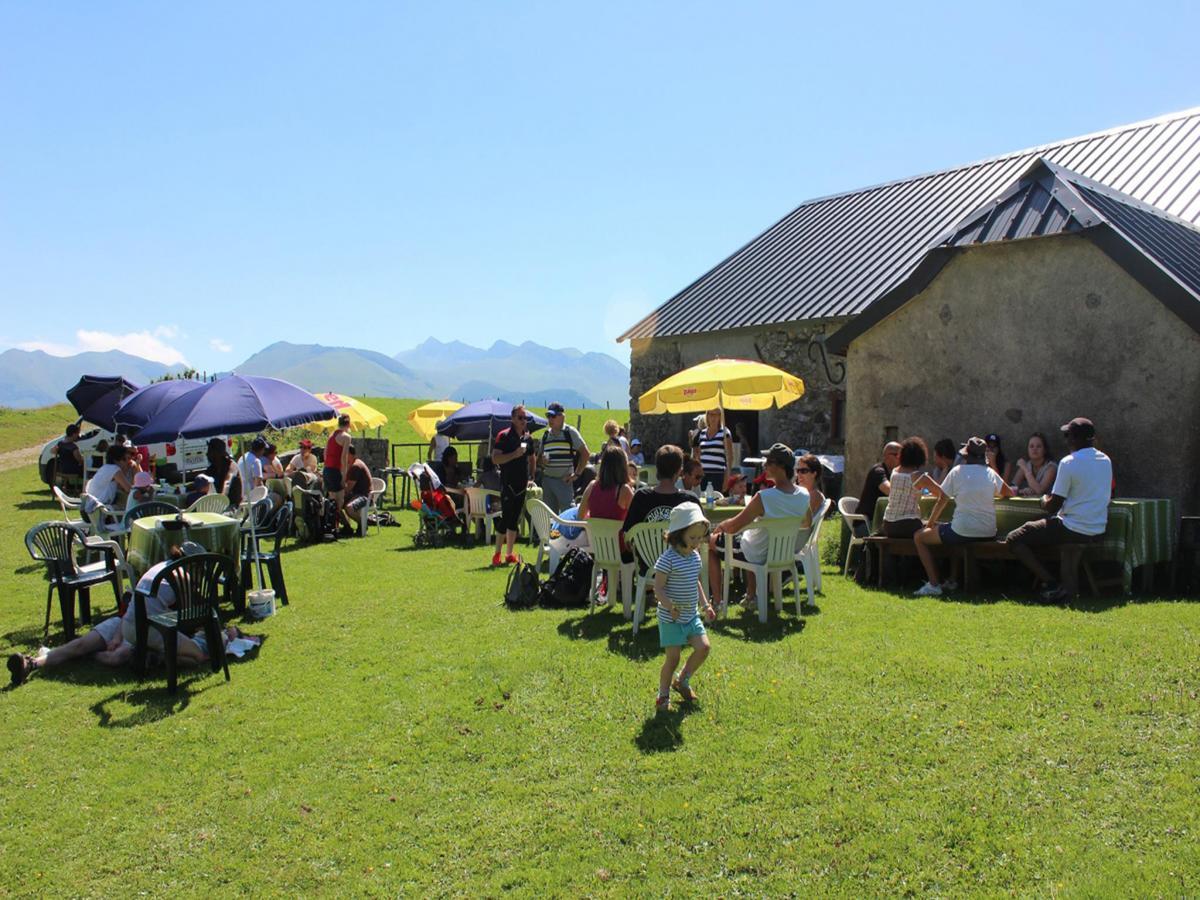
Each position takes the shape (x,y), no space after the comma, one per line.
(928,590)
(949,585)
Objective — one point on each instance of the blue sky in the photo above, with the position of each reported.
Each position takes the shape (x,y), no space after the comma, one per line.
(194,181)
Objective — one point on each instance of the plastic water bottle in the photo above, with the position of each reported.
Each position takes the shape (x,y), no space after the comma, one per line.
(708,495)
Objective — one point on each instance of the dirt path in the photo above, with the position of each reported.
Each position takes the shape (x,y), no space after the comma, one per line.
(14,459)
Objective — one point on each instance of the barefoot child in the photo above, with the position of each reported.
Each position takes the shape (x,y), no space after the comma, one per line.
(679,594)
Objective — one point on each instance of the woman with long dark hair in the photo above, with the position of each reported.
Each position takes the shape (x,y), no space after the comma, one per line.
(609,496)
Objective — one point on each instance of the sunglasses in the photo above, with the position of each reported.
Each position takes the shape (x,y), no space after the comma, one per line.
(804,471)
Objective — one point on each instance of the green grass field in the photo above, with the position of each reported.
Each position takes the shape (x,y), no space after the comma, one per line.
(401,733)
(20,428)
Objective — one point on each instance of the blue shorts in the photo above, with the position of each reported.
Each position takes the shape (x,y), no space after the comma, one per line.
(950,536)
(676,634)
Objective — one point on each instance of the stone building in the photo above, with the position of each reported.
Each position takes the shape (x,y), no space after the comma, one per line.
(1060,298)
(812,273)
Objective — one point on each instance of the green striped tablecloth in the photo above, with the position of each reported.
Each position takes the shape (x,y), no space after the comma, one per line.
(150,542)
(1140,531)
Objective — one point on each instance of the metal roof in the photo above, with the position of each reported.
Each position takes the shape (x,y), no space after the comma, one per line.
(1159,250)
(833,256)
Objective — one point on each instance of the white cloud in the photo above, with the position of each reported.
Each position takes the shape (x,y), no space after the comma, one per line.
(220,346)
(146,344)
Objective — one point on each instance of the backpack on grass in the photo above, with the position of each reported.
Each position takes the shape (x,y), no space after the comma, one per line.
(569,584)
(523,587)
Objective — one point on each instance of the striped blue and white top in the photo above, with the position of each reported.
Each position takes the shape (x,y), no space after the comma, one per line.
(683,584)
(712,451)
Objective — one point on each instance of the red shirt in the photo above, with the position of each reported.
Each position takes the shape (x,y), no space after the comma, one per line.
(333,452)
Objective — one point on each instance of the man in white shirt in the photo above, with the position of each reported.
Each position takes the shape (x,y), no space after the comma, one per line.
(1078,512)
(250,466)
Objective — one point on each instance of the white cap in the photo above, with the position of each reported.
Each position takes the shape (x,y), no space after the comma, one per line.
(685,515)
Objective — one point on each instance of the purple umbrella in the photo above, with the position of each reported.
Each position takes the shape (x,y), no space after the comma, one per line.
(478,421)
(238,404)
(95,398)
(143,405)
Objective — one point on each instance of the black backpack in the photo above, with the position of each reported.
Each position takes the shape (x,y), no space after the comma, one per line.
(570,583)
(523,587)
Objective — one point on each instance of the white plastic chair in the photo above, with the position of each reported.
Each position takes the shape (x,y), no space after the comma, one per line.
(68,505)
(542,517)
(848,508)
(604,536)
(782,534)
(809,556)
(217,503)
(378,486)
(106,522)
(477,511)
(648,540)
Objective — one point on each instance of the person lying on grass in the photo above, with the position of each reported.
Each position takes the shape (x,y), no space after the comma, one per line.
(111,642)
(679,594)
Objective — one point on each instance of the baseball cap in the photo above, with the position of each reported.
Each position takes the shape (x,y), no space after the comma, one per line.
(974,448)
(142,480)
(685,515)
(555,409)
(306,444)
(191,548)
(992,438)
(207,479)
(1080,427)
(259,443)
(636,442)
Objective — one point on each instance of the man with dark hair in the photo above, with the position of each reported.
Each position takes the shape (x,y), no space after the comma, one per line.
(1078,512)
(68,466)
(250,465)
(691,474)
(654,504)
(357,492)
(510,452)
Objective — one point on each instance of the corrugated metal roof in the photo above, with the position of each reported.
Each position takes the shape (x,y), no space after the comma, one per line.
(1159,250)
(832,256)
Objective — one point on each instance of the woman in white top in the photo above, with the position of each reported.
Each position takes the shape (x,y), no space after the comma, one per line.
(973,486)
(902,516)
(1035,472)
(110,478)
(785,498)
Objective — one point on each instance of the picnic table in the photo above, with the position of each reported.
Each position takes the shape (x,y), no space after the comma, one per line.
(150,540)
(1141,531)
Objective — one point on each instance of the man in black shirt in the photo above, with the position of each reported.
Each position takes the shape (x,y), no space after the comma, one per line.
(654,504)
(876,483)
(511,452)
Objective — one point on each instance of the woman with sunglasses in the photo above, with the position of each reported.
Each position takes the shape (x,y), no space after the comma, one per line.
(808,476)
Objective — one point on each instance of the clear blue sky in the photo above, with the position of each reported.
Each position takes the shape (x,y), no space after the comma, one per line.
(198,180)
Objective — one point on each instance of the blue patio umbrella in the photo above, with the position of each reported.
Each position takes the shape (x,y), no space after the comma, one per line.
(144,404)
(237,404)
(95,398)
(480,420)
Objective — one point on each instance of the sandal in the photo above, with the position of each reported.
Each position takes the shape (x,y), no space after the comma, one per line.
(19,668)
(685,691)
(661,703)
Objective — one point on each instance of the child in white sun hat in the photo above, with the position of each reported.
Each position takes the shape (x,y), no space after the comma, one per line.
(680,598)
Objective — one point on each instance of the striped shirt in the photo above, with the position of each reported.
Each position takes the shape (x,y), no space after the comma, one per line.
(683,584)
(560,450)
(712,451)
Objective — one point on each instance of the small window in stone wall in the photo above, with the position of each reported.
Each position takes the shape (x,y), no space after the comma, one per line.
(891,432)
(837,417)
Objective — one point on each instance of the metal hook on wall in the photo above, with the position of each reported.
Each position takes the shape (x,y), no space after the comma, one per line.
(816,347)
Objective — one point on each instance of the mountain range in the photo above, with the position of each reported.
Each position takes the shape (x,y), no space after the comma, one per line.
(434,369)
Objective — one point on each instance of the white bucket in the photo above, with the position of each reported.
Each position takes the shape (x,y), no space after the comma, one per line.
(260,603)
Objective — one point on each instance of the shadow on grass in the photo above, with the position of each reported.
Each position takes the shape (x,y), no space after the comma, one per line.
(150,703)
(744,625)
(662,731)
(42,503)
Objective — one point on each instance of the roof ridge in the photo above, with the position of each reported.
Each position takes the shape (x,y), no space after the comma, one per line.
(1076,180)
(1036,150)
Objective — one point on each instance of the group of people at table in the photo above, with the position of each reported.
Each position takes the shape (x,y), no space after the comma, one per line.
(1075,492)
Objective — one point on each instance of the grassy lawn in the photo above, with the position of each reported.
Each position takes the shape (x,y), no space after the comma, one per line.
(20,428)
(402,733)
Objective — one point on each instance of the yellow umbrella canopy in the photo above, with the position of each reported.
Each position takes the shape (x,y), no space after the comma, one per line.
(727,383)
(424,419)
(361,415)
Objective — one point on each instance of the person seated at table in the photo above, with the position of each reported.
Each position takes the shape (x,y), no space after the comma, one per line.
(783,498)
(222,470)
(634,482)
(143,491)
(902,516)
(103,487)
(271,465)
(690,476)
(996,458)
(450,474)
(358,493)
(68,461)
(609,496)
(202,486)
(304,461)
(1077,507)
(974,487)
(734,489)
(635,453)
(945,458)
(654,504)
(250,465)
(713,448)
(1035,472)
(809,475)
(876,485)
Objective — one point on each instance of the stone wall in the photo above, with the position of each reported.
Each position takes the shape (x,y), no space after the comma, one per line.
(805,423)
(1021,337)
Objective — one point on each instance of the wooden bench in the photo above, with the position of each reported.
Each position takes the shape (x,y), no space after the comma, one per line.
(969,554)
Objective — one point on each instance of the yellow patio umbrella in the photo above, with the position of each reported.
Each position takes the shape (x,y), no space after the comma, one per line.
(424,419)
(362,416)
(727,383)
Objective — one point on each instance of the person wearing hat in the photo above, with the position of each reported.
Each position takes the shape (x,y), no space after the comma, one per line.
(680,597)
(202,486)
(635,453)
(783,498)
(1077,508)
(974,487)
(563,458)
(304,461)
(143,490)
(996,458)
